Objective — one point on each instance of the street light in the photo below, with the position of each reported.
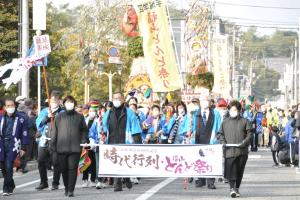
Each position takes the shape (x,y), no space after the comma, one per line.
(110,75)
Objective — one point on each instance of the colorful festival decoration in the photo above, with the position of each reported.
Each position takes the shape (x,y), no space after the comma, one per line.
(130,22)
(196,36)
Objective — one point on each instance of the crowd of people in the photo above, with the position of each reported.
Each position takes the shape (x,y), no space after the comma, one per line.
(53,136)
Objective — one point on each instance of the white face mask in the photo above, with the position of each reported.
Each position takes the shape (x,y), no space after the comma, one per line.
(181,112)
(222,112)
(117,103)
(69,106)
(155,113)
(204,104)
(10,110)
(233,113)
(54,107)
(92,115)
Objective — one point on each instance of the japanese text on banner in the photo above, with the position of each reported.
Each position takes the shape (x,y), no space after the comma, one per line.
(157,45)
(160,160)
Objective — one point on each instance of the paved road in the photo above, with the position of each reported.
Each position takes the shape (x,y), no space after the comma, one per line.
(261,182)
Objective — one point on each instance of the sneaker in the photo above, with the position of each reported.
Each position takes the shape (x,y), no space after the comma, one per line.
(237,192)
(134,180)
(54,187)
(232,193)
(275,166)
(99,185)
(5,194)
(85,184)
(92,184)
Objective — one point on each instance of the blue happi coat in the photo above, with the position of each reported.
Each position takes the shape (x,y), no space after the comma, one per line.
(19,137)
(215,128)
(42,125)
(132,126)
(183,126)
(95,131)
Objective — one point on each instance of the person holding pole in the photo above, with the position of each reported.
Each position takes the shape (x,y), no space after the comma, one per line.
(44,125)
(69,131)
(236,133)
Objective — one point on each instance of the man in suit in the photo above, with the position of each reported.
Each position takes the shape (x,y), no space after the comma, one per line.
(206,122)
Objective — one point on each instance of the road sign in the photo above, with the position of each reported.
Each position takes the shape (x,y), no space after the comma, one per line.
(114,56)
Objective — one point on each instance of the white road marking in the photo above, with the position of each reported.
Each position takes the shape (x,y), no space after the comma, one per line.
(28,183)
(155,189)
(254,156)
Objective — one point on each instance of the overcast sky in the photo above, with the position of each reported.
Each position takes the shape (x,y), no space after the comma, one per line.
(260,16)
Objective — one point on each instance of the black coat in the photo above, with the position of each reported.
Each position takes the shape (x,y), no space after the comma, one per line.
(69,132)
(235,131)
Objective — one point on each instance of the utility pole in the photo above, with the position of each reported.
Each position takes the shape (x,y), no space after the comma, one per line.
(25,41)
(233,65)
(250,77)
(295,74)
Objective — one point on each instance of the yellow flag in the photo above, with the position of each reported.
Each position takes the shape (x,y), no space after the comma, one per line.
(157,45)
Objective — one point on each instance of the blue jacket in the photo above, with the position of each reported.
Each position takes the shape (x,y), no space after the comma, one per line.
(289,130)
(132,126)
(183,126)
(215,129)
(95,131)
(42,125)
(19,137)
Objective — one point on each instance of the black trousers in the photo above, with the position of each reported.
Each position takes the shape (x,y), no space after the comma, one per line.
(69,165)
(91,169)
(275,157)
(44,156)
(208,181)
(254,142)
(234,170)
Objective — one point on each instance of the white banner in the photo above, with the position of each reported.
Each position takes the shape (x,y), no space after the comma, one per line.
(39,14)
(221,67)
(161,160)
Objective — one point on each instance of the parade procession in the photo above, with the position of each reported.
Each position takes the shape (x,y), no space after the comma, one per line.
(149,99)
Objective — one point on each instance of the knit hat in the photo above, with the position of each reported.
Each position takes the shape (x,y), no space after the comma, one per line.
(222,103)
(94,104)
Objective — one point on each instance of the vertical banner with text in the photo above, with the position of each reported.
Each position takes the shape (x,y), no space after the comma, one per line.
(157,45)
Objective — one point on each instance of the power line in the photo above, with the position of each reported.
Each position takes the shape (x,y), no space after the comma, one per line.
(259,20)
(254,6)
(266,26)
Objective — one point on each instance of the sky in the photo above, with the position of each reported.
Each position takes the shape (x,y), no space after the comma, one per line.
(259,16)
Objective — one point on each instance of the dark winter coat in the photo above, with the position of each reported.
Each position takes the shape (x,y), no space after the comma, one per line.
(236,131)
(69,132)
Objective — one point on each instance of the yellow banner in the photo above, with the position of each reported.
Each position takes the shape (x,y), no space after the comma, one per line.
(157,45)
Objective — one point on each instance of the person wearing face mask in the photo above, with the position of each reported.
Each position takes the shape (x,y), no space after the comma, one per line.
(13,141)
(154,127)
(222,108)
(69,131)
(178,126)
(44,124)
(205,127)
(235,130)
(96,136)
(90,120)
(133,105)
(121,126)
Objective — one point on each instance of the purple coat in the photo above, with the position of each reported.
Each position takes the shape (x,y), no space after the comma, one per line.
(19,138)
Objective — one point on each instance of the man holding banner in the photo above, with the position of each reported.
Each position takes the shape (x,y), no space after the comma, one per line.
(237,131)
(121,126)
(206,123)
